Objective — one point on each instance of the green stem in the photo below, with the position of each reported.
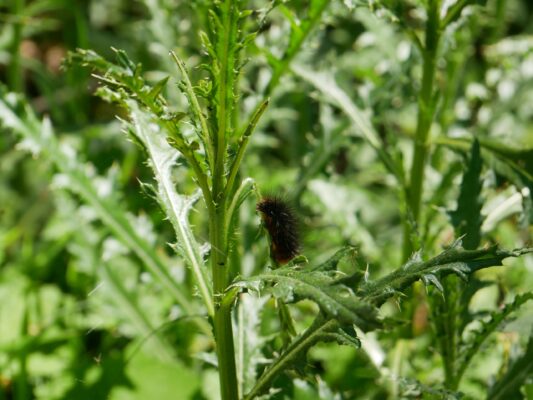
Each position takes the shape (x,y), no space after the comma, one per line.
(226,48)
(447,330)
(15,66)
(223,326)
(426,110)
(226,54)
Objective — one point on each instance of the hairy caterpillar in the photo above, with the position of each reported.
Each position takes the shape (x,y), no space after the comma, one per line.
(282,226)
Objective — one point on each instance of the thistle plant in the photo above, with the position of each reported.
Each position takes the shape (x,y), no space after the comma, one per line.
(205,138)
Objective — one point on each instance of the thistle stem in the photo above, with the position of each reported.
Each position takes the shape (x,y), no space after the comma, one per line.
(426,111)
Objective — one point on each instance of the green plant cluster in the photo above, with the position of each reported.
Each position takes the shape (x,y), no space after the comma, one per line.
(139,136)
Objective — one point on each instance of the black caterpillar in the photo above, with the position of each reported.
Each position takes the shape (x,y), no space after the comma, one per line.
(282,226)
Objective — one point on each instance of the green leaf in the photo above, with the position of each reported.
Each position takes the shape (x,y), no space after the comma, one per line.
(454,260)
(144,106)
(208,46)
(89,58)
(158,87)
(321,284)
(514,162)
(162,158)
(124,61)
(122,81)
(466,218)
(341,308)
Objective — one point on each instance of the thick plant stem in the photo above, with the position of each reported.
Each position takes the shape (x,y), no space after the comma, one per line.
(426,111)
(222,321)
(226,58)
(447,330)
(226,358)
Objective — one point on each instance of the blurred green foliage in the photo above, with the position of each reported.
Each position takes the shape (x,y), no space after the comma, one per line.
(83,317)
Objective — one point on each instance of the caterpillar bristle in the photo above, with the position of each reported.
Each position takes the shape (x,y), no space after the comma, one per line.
(282,225)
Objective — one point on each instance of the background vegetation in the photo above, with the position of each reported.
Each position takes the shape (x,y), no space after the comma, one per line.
(394,127)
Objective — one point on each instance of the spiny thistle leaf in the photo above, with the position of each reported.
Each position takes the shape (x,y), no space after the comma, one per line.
(197,116)
(145,104)
(466,218)
(454,260)
(431,279)
(122,81)
(125,61)
(323,285)
(162,158)
(208,47)
(123,85)
(333,261)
